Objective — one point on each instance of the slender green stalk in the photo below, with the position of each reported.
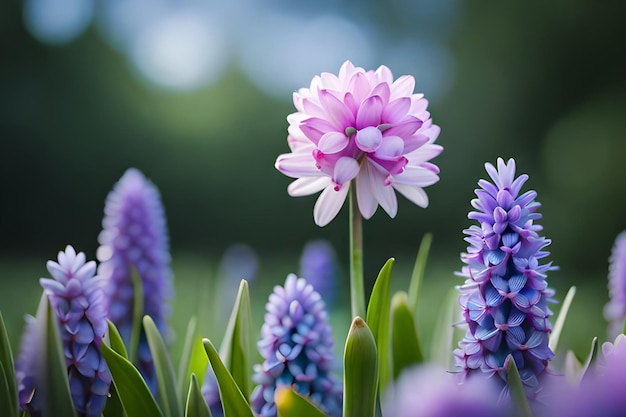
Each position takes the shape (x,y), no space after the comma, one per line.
(357,290)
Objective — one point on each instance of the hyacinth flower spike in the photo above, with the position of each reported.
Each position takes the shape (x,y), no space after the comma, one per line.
(76,299)
(505,295)
(318,265)
(296,345)
(134,240)
(615,309)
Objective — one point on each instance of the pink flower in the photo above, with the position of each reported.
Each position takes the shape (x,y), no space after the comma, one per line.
(362,126)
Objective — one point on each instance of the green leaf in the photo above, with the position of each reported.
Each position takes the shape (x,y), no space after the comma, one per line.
(193,360)
(196,404)
(236,344)
(166,380)
(53,381)
(360,373)
(234,402)
(405,345)
(8,385)
(292,404)
(418,272)
(378,312)
(113,407)
(442,342)
(516,388)
(115,340)
(560,320)
(135,334)
(8,404)
(572,367)
(591,358)
(131,387)
(183,364)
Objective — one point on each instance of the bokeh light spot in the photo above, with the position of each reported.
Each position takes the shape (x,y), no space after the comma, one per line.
(57,22)
(180,51)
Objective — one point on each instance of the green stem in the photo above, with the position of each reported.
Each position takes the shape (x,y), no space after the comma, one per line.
(357,291)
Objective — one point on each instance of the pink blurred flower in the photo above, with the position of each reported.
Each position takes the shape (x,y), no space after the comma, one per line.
(363,126)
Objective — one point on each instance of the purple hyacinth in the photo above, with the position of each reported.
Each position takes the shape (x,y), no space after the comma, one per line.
(505,295)
(430,391)
(615,309)
(296,345)
(318,265)
(134,240)
(599,393)
(76,299)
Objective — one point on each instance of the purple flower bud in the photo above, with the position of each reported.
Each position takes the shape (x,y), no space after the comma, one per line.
(76,299)
(134,240)
(296,345)
(505,295)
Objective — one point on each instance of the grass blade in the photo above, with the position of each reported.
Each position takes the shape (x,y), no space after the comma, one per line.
(292,404)
(166,380)
(442,342)
(560,320)
(378,313)
(405,345)
(8,385)
(54,384)
(196,404)
(131,387)
(591,358)
(115,340)
(185,358)
(236,345)
(234,402)
(516,388)
(418,272)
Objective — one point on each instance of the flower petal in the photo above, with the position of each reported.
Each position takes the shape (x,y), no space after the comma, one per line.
(369,113)
(329,203)
(416,195)
(364,194)
(346,169)
(383,193)
(307,186)
(337,112)
(333,142)
(296,165)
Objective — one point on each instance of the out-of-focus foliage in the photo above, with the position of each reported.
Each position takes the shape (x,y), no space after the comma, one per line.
(539,81)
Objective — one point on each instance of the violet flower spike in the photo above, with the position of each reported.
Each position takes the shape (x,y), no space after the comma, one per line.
(318,265)
(615,309)
(296,345)
(134,238)
(363,127)
(505,295)
(76,299)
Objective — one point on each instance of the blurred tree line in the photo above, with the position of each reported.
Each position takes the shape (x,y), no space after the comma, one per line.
(542,82)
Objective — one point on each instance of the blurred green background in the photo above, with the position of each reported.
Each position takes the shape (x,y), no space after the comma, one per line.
(196,93)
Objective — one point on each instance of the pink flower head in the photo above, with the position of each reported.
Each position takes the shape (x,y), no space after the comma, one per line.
(362,126)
